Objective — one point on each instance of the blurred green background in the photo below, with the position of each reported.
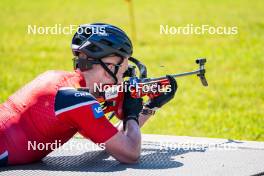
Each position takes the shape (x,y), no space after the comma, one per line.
(231,107)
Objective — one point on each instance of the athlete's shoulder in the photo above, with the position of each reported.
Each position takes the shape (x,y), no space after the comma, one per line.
(55,77)
(56,73)
(68,98)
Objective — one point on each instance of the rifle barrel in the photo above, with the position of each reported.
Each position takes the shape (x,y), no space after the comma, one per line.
(175,75)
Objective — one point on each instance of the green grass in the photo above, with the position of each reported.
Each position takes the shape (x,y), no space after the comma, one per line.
(231,107)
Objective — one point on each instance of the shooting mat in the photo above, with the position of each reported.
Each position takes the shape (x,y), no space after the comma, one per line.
(161,155)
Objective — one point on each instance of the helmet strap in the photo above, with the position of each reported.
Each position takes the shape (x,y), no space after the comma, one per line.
(113,74)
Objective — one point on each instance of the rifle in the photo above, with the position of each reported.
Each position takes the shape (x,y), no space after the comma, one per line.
(112,97)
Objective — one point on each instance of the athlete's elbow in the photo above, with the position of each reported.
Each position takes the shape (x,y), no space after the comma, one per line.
(134,160)
(130,159)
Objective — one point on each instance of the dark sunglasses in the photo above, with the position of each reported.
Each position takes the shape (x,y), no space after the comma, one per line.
(86,64)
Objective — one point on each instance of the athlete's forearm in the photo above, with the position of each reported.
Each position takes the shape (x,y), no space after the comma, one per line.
(133,142)
(133,139)
(125,146)
(132,131)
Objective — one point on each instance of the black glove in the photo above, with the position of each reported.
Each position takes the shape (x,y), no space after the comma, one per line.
(131,107)
(164,98)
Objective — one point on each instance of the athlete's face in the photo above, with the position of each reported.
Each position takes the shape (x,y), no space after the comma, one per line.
(99,75)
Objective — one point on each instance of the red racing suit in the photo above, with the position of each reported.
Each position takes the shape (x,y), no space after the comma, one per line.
(46,110)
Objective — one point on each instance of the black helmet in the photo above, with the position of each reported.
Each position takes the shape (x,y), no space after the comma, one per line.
(99,40)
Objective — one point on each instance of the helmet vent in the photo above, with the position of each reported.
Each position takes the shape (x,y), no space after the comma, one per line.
(106,42)
(122,50)
(93,48)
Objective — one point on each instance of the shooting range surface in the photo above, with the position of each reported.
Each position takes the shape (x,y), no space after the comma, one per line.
(231,107)
(220,157)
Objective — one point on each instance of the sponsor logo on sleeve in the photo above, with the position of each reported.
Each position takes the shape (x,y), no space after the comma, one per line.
(97,111)
(81,94)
